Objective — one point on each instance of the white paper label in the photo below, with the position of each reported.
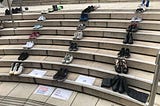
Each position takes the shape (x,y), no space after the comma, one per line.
(85,80)
(62,94)
(44,90)
(37,73)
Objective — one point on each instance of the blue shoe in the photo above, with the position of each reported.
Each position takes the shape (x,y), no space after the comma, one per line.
(84,17)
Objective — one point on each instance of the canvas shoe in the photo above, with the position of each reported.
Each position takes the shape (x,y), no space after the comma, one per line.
(37,26)
(78,35)
(136,19)
(28,45)
(19,69)
(68,58)
(13,67)
(41,18)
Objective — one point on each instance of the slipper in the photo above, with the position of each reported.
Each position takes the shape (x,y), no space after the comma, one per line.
(140,96)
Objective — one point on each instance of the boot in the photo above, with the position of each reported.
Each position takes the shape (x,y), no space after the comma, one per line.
(125,41)
(121,86)
(130,38)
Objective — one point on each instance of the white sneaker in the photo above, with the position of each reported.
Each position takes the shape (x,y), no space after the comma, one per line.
(41,18)
(68,58)
(78,35)
(28,45)
(136,19)
(19,69)
(13,65)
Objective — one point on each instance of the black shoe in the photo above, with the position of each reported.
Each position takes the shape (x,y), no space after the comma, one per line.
(55,8)
(130,39)
(125,41)
(61,75)
(115,79)
(73,47)
(107,82)
(118,65)
(121,53)
(124,66)
(7,12)
(127,53)
(115,87)
(23,56)
(140,96)
(121,85)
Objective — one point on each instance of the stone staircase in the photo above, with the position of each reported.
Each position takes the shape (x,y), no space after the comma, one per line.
(103,39)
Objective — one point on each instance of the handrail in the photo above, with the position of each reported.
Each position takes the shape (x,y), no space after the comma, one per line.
(155,81)
(10,10)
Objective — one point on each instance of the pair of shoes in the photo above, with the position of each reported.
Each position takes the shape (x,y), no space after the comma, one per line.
(68,58)
(132,28)
(145,3)
(128,39)
(16,68)
(16,10)
(118,84)
(61,75)
(140,96)
(81,27)
(78,35)
(73,46)
(121,65)
(124,52)
(56,7)
(23,56)
(41,18)
(141,9)
(28,45)
(90,9)
(7,12)
(84,17)
(34,35)
(136,19)
(37,26)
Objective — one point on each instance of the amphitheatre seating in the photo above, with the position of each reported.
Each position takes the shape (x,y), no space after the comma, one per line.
(98,50)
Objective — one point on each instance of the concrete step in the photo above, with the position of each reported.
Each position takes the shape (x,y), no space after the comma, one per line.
(71,84)
(135,77)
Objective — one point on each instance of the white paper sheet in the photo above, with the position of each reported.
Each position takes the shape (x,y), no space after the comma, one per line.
(63,94)
(44,90)
(85,80)
(37,73)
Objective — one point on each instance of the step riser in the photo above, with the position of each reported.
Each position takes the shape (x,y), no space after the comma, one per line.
(106,59)
(76,15)
(147,26)
(135,49)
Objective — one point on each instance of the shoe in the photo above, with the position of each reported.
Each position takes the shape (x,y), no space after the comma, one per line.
(61,75)
(44,12)
(7,12)
(81,27)
(84,17)
(34,35)
(124,67)
(140,96)
(115,87)
(127,53)
(41,18)
(37,26)
(136,19)
(106,82)
(121,85)
(60,7)
(73,47)
(19,69)
(121,53)
(125,41)
(132,28)
(68,58)
(55,8)
(23,56)
(78,35)
(28,45)
(11,72)
(130,38)
(118,66)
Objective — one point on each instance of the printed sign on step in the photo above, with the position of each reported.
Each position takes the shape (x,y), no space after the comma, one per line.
(37,73)
(85,80)
(44,90)
(63,94)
